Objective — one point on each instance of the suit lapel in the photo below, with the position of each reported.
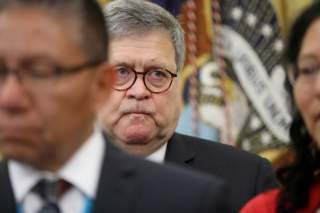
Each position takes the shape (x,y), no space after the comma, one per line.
(178,151)
(7,200)
(117,189)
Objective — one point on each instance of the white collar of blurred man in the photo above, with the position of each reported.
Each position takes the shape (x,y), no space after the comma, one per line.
(80,171)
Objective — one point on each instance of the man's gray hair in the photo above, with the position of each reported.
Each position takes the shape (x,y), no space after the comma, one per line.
(129,17)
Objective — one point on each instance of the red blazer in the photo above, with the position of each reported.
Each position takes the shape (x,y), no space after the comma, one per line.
(267,202)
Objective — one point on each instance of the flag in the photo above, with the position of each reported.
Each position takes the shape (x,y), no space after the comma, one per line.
(238,96)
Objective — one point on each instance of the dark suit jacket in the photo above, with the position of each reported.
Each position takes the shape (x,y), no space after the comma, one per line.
(128,184)
(246,173)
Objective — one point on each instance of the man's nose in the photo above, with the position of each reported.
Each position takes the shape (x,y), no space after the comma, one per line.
(13,95)
(138,89)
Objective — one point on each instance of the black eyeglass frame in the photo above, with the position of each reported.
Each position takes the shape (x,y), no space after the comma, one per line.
(57,70)
(173,75)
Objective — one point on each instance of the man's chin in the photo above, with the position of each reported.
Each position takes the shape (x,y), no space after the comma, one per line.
(135,134)
(137,139)
(18,151)
(139,147)
(15,156)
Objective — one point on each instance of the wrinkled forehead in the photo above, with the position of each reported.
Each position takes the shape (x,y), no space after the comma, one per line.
(33,31)
(153,48)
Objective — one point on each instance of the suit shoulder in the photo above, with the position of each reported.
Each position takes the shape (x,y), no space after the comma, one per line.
(213,149)
(176,189)
(177,172)
(3,166)
(166,187)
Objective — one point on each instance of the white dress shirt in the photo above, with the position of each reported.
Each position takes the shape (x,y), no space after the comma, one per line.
(82,171)
(159,155)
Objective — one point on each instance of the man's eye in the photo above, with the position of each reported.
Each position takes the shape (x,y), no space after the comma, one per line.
(39,70)
(160,74)
(122,71)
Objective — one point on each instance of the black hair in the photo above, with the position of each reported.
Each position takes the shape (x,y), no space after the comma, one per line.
(88,14)
(297,178)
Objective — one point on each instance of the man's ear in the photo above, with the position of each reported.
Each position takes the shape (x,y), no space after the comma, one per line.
(105,80)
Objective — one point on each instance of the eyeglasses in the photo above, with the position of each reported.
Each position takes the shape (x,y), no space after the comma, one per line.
(156,80)
(304,74)
(35,72)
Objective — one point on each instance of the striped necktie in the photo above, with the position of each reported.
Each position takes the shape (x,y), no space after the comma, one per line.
(50,191)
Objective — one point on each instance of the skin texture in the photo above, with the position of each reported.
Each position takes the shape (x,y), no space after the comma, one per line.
(43,124)
(307,95)
(138,120)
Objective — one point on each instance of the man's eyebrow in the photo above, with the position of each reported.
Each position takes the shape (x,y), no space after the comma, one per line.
(40,58)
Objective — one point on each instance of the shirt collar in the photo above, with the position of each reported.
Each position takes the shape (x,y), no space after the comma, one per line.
(82,170)
(159,155)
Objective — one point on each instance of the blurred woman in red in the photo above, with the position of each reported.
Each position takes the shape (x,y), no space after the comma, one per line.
(300,181)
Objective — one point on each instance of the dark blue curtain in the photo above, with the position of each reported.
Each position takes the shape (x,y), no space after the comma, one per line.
(173,6)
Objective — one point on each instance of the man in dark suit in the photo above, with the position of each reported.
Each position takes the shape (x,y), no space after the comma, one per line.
(147,49)
(247,174)
(53,74)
